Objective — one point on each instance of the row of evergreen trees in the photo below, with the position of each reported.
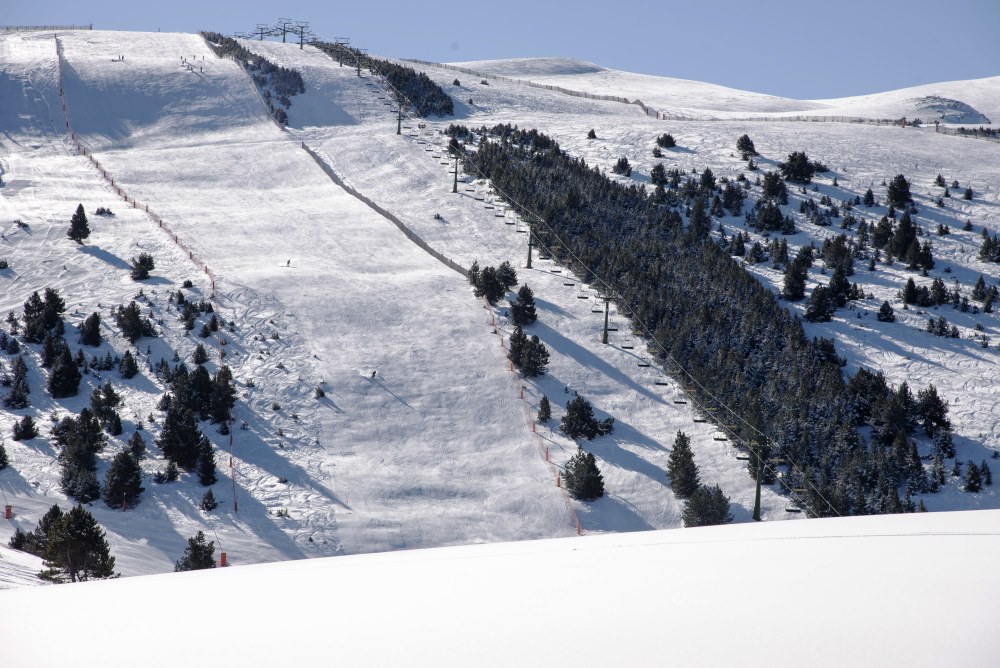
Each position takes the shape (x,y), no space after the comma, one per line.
(276,83)
(709,315)
(409,86)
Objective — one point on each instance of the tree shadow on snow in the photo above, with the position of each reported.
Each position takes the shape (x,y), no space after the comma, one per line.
(110,258)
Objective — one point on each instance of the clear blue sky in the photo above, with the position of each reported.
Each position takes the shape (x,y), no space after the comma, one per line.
(800,49)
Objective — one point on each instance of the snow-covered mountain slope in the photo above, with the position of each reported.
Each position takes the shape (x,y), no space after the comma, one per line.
(438,448)
(18,569)
(915,590)
(971,102)
(321,291)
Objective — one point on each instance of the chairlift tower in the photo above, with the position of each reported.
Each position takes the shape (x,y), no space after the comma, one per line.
(341,43)
(261,30)
(358,53)
(607,299)
(760,469)
(284,25)
(531,235)
(302,29)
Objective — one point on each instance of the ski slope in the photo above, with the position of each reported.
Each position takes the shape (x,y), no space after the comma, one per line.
(437,448)
(916,590)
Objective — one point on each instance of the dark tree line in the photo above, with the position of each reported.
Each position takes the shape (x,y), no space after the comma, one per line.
(275,81)
(416,88)
(726,330)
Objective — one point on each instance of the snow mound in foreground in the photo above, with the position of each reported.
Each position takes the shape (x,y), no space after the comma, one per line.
(848,591)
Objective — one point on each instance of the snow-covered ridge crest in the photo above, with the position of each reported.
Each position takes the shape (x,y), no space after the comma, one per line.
(970,102)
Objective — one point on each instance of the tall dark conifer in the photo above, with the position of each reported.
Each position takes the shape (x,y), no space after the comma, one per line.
(78,227)
(681,469)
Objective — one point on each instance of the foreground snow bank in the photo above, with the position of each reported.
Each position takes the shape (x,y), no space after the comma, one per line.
(849,591)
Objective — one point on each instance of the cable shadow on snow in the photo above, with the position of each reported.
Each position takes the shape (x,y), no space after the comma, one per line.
(586,358)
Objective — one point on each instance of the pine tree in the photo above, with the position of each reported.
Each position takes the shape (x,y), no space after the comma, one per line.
(821,305)
(90,330)
(179,439)
(534,358)
(506,275)
(137,446)
(544,409)
(223,396)
(794,287)
(885,313)
(64,381)
(591,134)
(666,140)
(17,397)
(583,479)
(200,356)
(141,266)
(932,411)
(25,429)
(4,461)
(206,462)
(123,482)
(208,502)
(797,168)
(899,192)
(903,237)
(579,421)
(198,554)
(681,469)
(522,309)
(78,227)
(77,549)
(132,324)
(36,542)
(745,146)
(516,345)
(979,291)
(489,286)
(869,199)
(51,348)
(128,367)
(622,167)
(986,474)
(707,506)
(973,478)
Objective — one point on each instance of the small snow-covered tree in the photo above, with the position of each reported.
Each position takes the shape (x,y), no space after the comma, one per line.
(198,554)
(123,482)
(707,506)
(78,227)
(544,409)
(583,479)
